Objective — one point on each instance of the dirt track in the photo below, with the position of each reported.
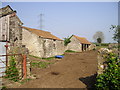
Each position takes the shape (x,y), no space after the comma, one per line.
(75,70)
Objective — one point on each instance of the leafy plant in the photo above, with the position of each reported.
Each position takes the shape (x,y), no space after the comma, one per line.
(110,79)
(11,71)
(116,35)
(67,40)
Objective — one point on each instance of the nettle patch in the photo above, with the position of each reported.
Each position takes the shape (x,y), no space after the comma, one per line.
(110,78)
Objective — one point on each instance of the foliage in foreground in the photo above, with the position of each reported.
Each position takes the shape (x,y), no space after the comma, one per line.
(12,72)
(110,79)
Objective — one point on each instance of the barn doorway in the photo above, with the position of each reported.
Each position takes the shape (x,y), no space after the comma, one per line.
(82,47)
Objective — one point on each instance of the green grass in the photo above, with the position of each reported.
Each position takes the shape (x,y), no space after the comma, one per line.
(102,45)
(50,58)
(40,64)
(98,47)
(69,51)
(25,80)
(35,57)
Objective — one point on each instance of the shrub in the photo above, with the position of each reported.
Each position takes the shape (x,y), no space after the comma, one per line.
(110,79)
(67,41)
(12,72)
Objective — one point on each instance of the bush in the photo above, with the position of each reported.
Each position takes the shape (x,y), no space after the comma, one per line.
(67,41)
(110,79)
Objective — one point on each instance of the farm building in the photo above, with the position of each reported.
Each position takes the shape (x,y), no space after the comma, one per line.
(11,39)
(10,26)
(42,43)
(78,44)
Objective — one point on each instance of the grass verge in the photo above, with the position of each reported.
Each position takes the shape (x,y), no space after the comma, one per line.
(41,64)
(69,51)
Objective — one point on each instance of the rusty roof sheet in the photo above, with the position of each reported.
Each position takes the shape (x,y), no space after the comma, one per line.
(82,40)
(42,33)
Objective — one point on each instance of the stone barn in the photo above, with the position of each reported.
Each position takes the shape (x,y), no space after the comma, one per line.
(10,26)
(11,38)
(42,43)
(78,44)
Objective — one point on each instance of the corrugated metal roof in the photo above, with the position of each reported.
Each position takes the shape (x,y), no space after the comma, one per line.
(42,33)
(82,40)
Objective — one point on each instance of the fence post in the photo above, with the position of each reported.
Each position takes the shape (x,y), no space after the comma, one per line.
(24,67)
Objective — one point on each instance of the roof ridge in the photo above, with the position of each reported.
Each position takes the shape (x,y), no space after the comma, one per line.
(82,39)
(35,29)
(41,33)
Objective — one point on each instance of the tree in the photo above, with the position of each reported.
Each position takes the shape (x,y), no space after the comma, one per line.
(99,40)
(116,35)
(67,40)
(98,37)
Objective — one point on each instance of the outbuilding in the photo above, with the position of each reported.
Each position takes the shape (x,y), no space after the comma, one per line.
(78,44)
(42,43)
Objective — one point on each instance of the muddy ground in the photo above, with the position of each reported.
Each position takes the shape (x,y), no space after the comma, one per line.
(75,70)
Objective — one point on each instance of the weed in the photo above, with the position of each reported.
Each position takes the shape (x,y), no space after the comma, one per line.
(12,72)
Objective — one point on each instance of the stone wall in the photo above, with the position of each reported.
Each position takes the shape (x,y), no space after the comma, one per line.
(53,47)
(33,43)
(15,34)
(74,45)
(92,47)
(102,53)
(19,58)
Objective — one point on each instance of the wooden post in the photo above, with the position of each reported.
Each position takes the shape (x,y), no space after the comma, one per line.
(24,67)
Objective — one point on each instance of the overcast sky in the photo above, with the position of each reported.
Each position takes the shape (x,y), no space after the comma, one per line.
(63,19)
